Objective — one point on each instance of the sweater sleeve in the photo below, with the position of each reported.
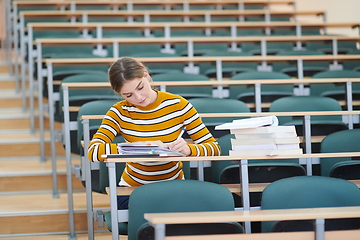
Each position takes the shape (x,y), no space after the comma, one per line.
(101,142)
(204,142)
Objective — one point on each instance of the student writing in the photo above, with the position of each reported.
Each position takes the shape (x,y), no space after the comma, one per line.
(152,117)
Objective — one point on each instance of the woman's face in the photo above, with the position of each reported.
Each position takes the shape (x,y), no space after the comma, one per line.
(138,91)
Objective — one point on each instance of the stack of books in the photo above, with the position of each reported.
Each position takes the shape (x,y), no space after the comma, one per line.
(262,136)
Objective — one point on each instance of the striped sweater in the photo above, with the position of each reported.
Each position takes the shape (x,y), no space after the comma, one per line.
(161,120)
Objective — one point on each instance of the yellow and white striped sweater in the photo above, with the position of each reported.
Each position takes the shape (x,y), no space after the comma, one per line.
(161,120)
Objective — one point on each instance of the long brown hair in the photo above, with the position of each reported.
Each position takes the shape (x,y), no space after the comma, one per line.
(124,69)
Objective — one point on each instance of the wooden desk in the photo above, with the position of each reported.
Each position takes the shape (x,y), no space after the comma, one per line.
(234,188)
(62,4)
(185,40)
(148,15)
(189,25)
(158,220)
(243,163)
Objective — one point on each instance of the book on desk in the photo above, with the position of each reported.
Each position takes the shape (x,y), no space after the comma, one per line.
(262,136)
(135,150)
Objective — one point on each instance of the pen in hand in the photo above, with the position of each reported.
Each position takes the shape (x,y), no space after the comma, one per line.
(181,133)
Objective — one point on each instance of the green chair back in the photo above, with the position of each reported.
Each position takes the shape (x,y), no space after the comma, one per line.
(327,46)
(321,125)
(269,93)
(187,92)
(341,141)
(217,166)
(160,68)
(308,192)
(352,65)
(59,71)
(176,196)
(336,90)
(78,97)
(309,68)
(306,104)
(228,69)
(218,105)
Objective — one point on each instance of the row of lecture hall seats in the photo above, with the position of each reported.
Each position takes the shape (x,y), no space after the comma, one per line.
(260,171)
(222,172)
(322,192)
(246,94)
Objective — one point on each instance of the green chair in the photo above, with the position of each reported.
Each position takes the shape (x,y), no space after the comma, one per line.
(160,68)
(228,69)
(272,48)
(310,192)
(61,72)
(58,51)
(260,171)
(179,196)
(327,46)
(341,167)
(138,49)
(269,93)
(352,65)
(95,7)
(78,97)
(186,92)
(180,33)
(218,105)
(53,33)
(201,49)
(320,125)
(335,90)
(309,68)
(246,32)
(133,33)
(218,166)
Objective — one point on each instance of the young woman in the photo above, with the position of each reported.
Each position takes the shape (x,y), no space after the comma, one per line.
(152,117)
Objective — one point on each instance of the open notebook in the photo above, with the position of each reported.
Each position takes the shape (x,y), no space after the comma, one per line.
(127,150)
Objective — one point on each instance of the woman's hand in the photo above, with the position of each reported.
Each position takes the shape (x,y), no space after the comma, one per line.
(179,145)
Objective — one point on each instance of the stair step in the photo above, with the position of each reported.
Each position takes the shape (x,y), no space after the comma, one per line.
(10,98)
(4,69)
(80,236)
(21,142)
(44,214)
(16,118)
(7,81)
(38,176)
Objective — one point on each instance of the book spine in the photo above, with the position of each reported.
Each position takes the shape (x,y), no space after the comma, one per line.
(265,152)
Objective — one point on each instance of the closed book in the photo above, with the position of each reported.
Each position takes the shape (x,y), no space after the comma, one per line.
(249,123)
(266,135)
(265,146)
(260,141)
(262,130)
(265,152)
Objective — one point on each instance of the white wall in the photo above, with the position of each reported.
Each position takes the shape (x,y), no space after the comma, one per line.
(336,11)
